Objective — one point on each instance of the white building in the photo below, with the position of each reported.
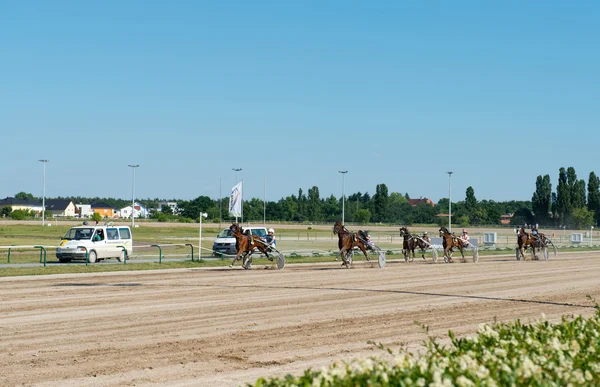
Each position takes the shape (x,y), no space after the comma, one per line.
(139,211)
(85,210)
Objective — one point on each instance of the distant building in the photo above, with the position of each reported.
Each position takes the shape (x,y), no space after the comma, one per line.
(139,211)
(414,202)
(61,207)
(22,204)
(105,210)
(84,210)
(505,219)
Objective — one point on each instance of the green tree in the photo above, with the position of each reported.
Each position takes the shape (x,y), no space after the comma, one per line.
(563,196)
(363,216)
(470,200)
(578,194)
(313,208)
(542,198)
(380,203)
(5,211)
(582,217)
(463,220)
(24,196)
(593,202)
(166,210)
(18,214)
(96,217)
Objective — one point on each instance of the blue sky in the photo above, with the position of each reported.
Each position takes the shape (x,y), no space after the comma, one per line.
(394,92)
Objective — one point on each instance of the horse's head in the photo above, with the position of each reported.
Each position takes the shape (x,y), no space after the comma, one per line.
(235,228)
(338,227)
(403,231)
(444,231)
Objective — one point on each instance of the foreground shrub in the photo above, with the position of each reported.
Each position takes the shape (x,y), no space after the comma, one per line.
(501,354)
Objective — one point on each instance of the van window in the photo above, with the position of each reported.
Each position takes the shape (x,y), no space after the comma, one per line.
(112,233)
(225,233)
(98,235)
(259,232)
(125,233)
(79,234)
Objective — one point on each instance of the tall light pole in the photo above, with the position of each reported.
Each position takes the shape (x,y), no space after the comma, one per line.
(591,235)
(133,167)
(236,173)
(265,202)
(220,203)
(343,192)
(450,200)
(44,192)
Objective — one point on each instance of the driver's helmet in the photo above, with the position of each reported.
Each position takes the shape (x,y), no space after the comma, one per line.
(424,232)
(465,231)
(271,230)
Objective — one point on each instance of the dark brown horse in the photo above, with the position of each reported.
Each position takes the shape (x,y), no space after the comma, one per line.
(246,245)
(347,241)
(449,242)
(409,244)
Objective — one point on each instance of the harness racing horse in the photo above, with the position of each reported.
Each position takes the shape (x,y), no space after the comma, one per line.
(449,242)
(409,244)
(246,245)
(347,241)
(524,240)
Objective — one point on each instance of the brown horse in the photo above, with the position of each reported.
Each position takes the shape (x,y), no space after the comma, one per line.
(450,241)
(408,244)
(525,239)
(246,245)
(347,241)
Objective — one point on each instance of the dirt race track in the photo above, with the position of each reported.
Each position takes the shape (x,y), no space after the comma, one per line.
(226,327)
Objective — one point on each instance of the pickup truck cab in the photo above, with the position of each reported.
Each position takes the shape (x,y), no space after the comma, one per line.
(225,242)
(101,242)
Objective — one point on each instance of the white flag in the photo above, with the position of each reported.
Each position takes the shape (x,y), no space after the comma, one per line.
(235,200)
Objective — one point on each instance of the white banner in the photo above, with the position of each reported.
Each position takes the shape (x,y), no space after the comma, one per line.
(235,201)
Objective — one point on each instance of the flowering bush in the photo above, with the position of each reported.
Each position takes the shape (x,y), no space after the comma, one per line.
(501,354)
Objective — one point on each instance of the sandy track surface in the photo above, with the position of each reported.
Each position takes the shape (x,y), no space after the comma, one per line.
(227,327)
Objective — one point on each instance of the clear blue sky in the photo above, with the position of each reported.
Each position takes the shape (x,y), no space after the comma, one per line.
(394,92)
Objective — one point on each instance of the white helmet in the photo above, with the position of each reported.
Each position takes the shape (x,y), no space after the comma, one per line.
(271,230)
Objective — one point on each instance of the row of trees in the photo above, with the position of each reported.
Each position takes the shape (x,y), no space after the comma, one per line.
(309,206)
(569,205)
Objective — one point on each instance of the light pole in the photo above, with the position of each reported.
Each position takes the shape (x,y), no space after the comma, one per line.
(236,173)
(220,203)
(44,192)
(450,200)
(591,234)
(133,167)
(343,192)
(202,215)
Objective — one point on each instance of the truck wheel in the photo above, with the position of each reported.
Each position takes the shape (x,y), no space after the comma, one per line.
(92,257)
